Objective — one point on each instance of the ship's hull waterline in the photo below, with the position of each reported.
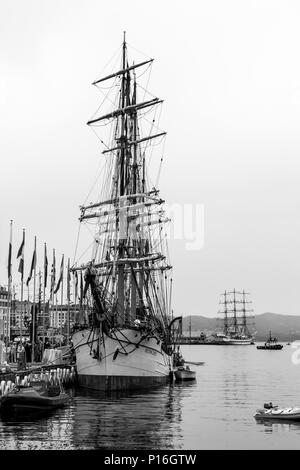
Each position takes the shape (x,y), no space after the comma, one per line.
(238,342)
(123,360)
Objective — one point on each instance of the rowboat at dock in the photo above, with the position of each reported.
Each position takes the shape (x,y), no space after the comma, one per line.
(40,389)
(184,373)
(35,397)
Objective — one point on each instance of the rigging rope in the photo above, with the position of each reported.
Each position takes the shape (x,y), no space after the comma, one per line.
(77,241)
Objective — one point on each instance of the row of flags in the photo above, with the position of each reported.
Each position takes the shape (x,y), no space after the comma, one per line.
(54,285)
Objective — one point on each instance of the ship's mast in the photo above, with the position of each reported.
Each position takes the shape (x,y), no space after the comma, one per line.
(235,324)
(123,138)
(129,262)
(122,172)
(225,314)
(134,167)
(234,312)
(244,312)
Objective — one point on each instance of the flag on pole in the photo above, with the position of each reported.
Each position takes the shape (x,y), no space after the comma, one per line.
(76,285)
(33,264)
(40,292)
(45,266)
(60,275)
(9,252)
(53,269)
(68,281)
(81,287)
(21,254)
(86,286)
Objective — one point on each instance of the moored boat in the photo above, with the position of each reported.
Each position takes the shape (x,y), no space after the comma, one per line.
(126,341)
(36,397)
(184,373)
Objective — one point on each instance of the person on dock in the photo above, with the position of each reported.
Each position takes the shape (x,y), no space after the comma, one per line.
(37,352)
(7,357)
(21,357)
(14,352)
(178,358)
(27,352)
(72,352)
(1,350)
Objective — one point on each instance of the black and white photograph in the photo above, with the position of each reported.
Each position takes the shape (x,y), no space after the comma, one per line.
(150,228)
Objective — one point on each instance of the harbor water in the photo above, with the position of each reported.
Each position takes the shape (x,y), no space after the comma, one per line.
(213,412)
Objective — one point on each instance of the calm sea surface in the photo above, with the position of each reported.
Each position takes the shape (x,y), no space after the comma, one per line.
(215,412)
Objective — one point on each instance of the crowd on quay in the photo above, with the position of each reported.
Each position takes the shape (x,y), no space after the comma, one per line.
(17,351)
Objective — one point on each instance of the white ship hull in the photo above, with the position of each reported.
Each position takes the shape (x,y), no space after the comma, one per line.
(237,342)
(123,361)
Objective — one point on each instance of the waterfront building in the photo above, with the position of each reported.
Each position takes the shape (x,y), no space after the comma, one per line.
(4,304)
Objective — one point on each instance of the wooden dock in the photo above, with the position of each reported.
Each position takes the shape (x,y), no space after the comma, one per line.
(59,373)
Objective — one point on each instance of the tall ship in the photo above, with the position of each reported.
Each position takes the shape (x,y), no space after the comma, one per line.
(126,341)
(237,323)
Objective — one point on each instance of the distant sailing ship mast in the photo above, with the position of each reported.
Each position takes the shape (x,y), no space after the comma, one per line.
(236,327)
(128,342)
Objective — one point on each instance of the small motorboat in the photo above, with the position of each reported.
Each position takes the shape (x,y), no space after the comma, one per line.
(181,371)
(184,373)
(36,397)
(275,412)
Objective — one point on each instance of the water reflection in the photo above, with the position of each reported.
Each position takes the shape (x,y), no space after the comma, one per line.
(97,420)
(215,412)
(11,416)
(128,420)
(277,424)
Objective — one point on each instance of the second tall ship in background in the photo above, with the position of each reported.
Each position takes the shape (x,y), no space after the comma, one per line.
(236,321)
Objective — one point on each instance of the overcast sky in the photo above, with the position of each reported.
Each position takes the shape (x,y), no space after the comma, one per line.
(229,72)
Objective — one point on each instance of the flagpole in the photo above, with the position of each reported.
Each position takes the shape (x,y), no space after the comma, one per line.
(81,311)
(33,309)
(53,317)
(38,309)
(22,288)
(55,314)
(21,316)
(9,287)
(75,296)
(68,287)
(44,291)
(61,298)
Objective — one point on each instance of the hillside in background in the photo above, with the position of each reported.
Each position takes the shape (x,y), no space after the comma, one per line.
(284,327)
